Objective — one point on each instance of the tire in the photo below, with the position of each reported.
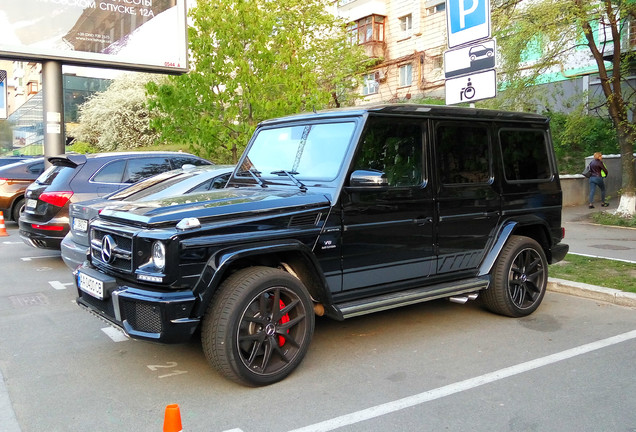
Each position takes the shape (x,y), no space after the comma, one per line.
(17,210)
(258,326)
(519,279)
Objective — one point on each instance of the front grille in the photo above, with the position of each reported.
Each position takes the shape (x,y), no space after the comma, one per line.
(121,251)
(142,317)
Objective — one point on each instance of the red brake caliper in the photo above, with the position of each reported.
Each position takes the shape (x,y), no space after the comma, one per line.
(283,320)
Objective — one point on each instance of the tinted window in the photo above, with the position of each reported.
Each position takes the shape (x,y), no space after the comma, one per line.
(463,154)
(393,147)
(139,169)
(56,175)
(525,154)
(179,161)
(111,172)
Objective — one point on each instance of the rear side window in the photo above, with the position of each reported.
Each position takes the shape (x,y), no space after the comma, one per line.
(139,169)
(111,172)
(463,154)
(525,154)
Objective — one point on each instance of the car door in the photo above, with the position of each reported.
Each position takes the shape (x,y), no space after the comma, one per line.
(468,200)
(387,226)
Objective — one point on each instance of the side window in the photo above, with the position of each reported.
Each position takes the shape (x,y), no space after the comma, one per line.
(393,147)
(525,154)
(179,161)
(139,169)
(110,173)
(463,154)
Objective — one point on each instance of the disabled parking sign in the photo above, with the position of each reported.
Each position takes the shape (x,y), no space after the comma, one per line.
(467,21)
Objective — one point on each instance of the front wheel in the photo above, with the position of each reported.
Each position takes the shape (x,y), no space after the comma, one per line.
(258,326)
(519,279)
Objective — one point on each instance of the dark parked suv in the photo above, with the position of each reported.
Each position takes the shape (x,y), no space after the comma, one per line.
(337,213)
(79,177)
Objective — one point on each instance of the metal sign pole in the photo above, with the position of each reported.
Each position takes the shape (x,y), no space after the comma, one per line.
(52,86)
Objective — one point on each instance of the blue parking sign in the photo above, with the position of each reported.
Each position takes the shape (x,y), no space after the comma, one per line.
(467,21)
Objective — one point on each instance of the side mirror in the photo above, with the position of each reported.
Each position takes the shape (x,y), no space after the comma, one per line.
(368,178)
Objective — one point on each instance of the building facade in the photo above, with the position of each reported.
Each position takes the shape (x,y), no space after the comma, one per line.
(406,39)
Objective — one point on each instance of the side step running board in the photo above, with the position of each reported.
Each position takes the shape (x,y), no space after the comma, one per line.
(455,289)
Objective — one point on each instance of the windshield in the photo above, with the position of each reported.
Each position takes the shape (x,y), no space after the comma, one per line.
(307,152)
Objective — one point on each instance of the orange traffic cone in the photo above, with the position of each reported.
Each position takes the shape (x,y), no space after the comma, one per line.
(3,229)
(172,420)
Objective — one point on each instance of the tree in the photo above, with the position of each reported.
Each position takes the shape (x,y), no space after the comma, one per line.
(562,30)
(252,60)
(118,118)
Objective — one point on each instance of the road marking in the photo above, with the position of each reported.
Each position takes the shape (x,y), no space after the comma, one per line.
(12,242)
(604,257)
(410,401)
(39,257)
(115,334)
(59,285)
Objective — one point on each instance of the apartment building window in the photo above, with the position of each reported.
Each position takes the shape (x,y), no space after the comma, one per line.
(370,85)
(368,29)
(406,75)
(436,9)
(32,87)
(406,25)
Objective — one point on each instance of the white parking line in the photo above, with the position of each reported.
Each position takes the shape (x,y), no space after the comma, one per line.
(59,285)
(114,334)
(39,257)
(12,242)
(410,401)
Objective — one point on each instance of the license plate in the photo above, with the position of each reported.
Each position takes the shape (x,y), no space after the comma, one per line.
(80,225)
(90,285)
(31,203)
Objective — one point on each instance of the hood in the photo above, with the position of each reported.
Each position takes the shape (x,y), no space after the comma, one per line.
(215,205)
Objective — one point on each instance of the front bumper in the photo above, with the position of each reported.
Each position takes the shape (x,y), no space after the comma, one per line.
(142,314)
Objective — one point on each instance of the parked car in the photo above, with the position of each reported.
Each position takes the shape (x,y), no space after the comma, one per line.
(79,177)
(337,213)
(185,180)
(6,160)
(14,180)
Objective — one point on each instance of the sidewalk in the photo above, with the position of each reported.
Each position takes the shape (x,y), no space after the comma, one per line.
(589,239)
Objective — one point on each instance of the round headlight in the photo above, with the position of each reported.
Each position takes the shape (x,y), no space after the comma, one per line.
(159,255)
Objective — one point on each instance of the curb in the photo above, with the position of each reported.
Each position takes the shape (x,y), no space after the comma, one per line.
(593,292)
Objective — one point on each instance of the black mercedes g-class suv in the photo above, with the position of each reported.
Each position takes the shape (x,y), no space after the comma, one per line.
(340,213)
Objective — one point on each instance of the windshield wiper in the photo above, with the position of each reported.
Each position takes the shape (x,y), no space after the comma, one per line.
(291,174)
(254,176)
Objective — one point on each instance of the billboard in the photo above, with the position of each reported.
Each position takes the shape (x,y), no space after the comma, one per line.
(145,35)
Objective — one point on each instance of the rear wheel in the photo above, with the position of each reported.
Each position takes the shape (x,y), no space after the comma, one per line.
(258,326)
(18,206)
(519,279)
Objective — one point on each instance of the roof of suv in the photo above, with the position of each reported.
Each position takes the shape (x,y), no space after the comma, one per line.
(417,110)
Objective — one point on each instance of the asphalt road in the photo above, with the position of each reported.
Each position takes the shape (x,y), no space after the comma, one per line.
(436,366)
(587,238)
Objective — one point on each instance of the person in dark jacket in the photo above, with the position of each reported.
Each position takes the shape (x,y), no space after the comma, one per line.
(598,171)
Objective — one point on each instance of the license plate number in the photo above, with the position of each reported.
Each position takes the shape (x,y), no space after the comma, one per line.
(31,203)
(80,225)
(90,285)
